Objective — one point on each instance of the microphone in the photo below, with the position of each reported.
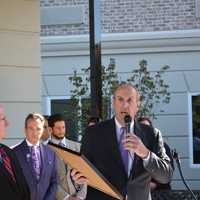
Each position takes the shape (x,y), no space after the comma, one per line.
(127,121)
(177,159)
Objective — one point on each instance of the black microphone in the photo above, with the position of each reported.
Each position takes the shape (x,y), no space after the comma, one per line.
(127,121)
(177,159)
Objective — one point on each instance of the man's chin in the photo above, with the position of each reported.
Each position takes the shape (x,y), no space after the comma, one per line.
(58,137)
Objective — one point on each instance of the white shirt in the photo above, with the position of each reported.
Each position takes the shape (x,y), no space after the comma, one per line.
(130,154)
(30,144)
(56,141)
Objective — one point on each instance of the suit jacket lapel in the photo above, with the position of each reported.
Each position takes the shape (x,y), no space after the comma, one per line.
(114,146)
(28,160)
(44,160)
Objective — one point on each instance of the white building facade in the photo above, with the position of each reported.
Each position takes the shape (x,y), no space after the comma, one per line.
(161,32)
(20,74)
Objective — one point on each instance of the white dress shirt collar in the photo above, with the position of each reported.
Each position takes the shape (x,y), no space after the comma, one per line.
(30,144)
(119,126)
(56,141)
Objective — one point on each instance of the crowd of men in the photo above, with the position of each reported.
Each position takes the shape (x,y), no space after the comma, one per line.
(130,159)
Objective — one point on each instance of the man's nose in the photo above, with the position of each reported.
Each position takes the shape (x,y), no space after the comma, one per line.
(125,104)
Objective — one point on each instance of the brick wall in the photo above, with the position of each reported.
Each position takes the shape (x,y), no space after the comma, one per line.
(120,16)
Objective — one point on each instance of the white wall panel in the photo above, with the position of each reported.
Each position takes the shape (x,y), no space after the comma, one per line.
(64,65)
(20,84)
(180,50)
(188,172)
(181,144)
(19,49)
(20,15)
(172,125)
(20,75)
(177,105)
(193,79)
(16,114)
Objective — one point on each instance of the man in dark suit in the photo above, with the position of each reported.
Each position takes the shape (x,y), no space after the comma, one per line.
(128,163)
(37,160)
(12,181)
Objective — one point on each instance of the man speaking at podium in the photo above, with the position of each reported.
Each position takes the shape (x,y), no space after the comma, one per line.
(127,153)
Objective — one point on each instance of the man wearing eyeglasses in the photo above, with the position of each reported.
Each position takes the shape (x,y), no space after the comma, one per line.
(12,181)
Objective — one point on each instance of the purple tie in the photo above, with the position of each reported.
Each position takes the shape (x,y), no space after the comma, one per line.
(124,153)
(35,155)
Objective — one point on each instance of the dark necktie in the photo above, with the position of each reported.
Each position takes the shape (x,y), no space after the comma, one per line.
(7,164)
(124,153)
(35,156)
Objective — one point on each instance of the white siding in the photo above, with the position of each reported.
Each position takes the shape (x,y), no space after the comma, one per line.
(19,63)
(179,49)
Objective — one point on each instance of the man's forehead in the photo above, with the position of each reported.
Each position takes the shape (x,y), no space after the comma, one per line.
(126,92)
(125,96)
(34,121)
(59,123)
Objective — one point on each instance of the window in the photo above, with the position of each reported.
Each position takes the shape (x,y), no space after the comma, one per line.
(75,121)
(194,129)
(76,113)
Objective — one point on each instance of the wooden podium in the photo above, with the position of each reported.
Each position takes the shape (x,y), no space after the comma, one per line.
(81,163)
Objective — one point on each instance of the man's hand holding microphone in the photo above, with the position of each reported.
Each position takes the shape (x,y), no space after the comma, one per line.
(132,142)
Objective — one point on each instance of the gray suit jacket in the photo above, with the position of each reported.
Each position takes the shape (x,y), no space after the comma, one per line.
(101,147)
(65,186)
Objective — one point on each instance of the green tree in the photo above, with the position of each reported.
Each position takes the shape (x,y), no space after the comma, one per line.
(152,88)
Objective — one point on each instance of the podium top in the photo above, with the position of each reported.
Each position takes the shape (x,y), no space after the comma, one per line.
(81,163)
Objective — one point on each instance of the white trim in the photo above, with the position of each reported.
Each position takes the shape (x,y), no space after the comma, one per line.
(197,8)
(115,43)
(190,131)
(48,102)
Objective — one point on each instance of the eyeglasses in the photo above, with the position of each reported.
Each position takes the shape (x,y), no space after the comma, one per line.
(3,119)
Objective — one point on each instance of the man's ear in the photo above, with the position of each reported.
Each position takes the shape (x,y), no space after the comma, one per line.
(138,105)
(50,129)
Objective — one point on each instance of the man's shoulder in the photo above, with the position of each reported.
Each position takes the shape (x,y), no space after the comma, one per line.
(107,124)
(99,132)
(5,148)
(47,148)
(73,145)
(18,146)
(145,128)
(9,151)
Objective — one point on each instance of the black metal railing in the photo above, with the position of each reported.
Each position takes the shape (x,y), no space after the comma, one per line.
(175,195)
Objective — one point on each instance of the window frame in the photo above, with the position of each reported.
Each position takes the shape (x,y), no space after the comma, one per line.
(190,119)
(48,102)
